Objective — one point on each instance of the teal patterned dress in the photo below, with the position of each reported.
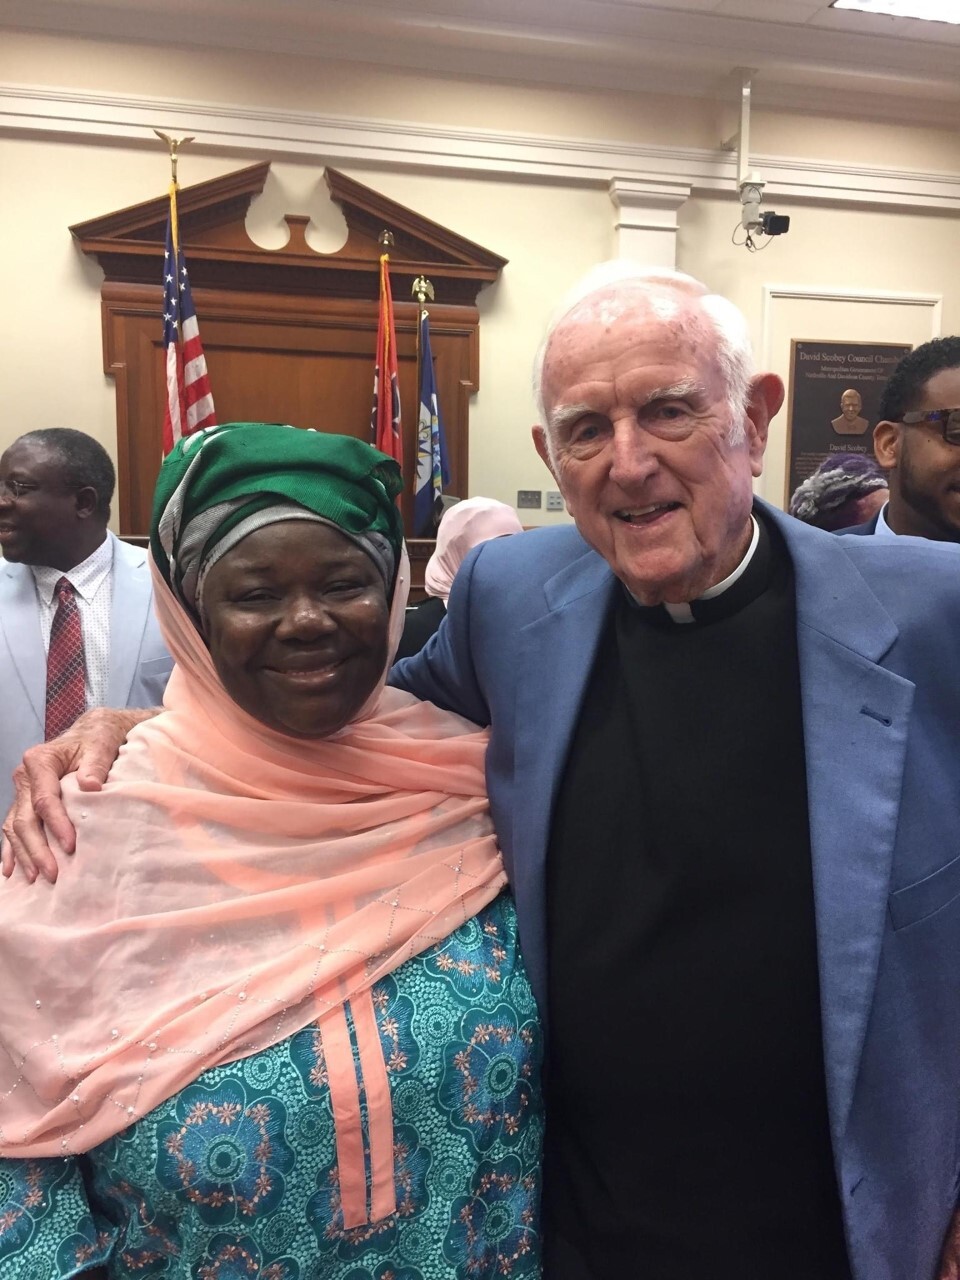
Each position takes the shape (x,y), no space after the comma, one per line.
(235,1177)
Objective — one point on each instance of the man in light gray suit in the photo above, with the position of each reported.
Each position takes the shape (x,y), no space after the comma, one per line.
(72,596)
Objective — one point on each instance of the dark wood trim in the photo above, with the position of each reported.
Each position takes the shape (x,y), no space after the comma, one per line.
(292,308)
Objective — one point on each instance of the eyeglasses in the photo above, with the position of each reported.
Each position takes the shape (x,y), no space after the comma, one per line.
(16,488)
(949,420)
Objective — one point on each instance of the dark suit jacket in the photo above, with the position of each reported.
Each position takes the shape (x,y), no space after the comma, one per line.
(419,625)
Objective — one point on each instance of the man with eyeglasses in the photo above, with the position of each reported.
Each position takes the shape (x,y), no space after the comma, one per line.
(76,605)
(917,443)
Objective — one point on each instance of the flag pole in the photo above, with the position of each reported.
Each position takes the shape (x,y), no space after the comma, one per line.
(386,242)
(421,290)
(173,147)
(386,423)
(188,405)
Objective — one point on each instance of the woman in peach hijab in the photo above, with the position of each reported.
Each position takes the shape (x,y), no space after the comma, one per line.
(286,1031)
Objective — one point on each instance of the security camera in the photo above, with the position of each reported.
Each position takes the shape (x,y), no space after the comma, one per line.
(751,193)
(758,226)
(774,224)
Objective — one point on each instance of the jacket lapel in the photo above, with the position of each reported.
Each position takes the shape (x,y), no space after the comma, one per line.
(129,610)
(856,718)
(20,621)
(555,657)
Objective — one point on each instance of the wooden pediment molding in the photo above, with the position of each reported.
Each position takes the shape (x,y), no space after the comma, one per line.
(289,334)
(421,247)
(221,255)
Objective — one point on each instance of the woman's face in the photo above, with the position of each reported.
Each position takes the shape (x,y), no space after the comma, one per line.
(296,622)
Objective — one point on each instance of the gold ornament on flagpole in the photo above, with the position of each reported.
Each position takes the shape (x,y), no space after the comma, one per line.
(422,289)
(173,146)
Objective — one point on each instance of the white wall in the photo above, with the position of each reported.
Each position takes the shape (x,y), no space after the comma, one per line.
(550,228)
(827,251)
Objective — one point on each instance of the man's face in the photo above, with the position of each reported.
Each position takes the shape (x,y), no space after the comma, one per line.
(40,514)
(928,469)
(850,405)
(640,425)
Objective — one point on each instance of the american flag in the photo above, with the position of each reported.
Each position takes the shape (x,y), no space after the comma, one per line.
(189,405)
(385,427)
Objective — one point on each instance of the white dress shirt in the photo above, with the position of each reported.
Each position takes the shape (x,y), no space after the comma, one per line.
(883,530)
(92,580)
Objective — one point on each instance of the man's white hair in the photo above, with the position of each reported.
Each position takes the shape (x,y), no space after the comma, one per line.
(620,279)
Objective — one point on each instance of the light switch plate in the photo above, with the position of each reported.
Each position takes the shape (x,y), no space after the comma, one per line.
(554,500)
(529,498)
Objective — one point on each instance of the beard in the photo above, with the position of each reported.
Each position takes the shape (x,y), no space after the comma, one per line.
(926,507)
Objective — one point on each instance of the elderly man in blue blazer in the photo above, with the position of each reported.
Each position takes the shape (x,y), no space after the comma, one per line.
(724,771)
(723,768)
(55,492)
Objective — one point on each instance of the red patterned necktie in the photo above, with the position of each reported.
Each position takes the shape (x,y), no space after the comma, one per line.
(65,665)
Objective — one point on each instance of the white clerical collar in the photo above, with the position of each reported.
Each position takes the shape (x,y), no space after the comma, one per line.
(684,613)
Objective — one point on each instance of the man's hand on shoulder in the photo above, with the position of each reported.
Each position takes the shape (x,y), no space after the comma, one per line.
(88,748)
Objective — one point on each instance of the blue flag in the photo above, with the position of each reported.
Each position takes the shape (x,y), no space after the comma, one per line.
(433,469)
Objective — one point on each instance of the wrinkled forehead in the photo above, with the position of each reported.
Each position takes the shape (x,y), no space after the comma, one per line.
(610,306)
(615,322)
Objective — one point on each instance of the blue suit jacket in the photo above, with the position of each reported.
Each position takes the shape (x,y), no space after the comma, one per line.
(139,662)
(878,624)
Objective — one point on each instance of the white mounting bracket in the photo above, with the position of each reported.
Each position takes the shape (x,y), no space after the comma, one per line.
(740,141)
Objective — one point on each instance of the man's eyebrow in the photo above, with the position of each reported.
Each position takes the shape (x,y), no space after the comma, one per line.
(566,414)
(677,391)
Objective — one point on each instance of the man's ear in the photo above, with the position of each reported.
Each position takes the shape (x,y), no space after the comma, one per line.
(540,444)
(887,440)
(763,404)
(87,502)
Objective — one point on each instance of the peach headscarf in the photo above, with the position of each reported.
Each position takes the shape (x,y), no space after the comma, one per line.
(463,527)
(231,885)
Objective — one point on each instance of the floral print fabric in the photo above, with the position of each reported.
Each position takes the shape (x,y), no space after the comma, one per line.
(236,1176)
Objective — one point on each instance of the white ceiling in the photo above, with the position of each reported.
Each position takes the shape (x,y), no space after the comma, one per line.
(806,55)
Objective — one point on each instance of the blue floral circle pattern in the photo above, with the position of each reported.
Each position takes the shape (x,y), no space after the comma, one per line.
(473,958)
(26,1188)
(240,1258)
(493,1232)
(386,1271)
(236,1177)
(224,1153)
(490,1078)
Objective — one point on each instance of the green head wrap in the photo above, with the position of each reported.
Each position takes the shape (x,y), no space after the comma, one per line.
(218,485)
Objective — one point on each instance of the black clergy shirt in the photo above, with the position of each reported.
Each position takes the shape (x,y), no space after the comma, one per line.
(687,1130)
